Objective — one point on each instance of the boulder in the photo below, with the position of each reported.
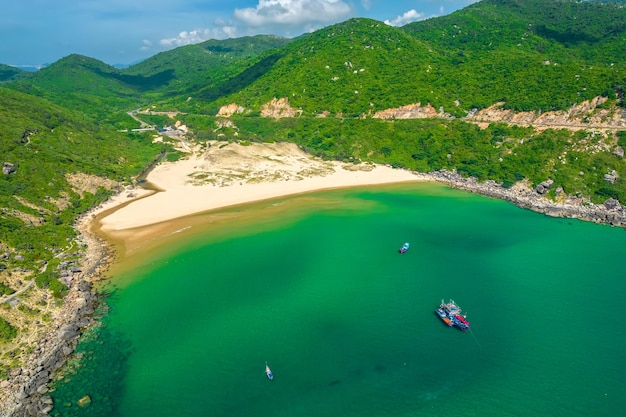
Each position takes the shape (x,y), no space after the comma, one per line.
(611,177)
(8,168)
(84,401)
(68,332)
(541,189)
(611,204)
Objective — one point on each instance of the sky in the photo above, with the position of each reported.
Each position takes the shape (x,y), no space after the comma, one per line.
(124,32)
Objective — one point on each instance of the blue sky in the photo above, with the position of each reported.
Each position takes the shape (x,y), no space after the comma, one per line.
(36,32)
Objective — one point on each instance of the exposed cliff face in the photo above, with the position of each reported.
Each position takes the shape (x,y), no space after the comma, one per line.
(411,111)
(229,110)
(82,183)
(278,108)
(585,115)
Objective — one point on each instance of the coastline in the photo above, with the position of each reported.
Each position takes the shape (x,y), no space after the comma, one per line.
(216,177)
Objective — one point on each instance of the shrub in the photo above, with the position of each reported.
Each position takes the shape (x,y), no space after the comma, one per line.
(7,332)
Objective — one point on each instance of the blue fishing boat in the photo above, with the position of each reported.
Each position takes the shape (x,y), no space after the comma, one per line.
(404,248)
(268,372)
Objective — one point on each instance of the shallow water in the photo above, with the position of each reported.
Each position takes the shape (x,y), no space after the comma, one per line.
(315,286)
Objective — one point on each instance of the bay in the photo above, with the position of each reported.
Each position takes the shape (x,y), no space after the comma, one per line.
(314,285)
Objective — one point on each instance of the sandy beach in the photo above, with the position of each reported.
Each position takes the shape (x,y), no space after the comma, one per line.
(225,174)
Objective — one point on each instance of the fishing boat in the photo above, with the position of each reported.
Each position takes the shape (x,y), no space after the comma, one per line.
(450,314)
(444,316)
(268,372)
(404,248)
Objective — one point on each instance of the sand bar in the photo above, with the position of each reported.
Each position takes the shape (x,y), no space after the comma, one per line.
(222,174)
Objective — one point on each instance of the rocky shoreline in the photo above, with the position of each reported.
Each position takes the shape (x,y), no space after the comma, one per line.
(611,212)
(25,392)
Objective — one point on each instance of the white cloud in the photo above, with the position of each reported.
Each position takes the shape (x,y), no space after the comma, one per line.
(146,45)
(197,36)
(407,17)
(293,12)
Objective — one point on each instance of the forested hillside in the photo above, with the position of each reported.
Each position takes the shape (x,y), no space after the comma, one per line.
(531,54)
(108,93)
(47,153)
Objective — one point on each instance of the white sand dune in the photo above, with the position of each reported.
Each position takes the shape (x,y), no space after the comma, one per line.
(224,174)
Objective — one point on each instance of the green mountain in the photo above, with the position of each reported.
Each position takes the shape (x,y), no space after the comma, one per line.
(109,93)
(194,67)
(531,54)
(351,68)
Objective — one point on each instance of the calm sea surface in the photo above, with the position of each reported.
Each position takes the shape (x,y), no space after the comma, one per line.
(315,286)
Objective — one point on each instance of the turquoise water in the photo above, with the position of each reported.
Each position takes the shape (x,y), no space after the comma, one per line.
(347,324)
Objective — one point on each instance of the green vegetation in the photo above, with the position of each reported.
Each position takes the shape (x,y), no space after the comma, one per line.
(8,73)
(7,332)
(47,145)
(531,54)
(5,289)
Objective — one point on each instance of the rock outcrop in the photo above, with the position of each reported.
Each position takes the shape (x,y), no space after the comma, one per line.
(583,115)
(522,195)
(8,168)
(230,109)
(279,108)
(411,111)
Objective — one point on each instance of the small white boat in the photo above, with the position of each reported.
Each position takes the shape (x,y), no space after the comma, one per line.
(268,372)
(404,248)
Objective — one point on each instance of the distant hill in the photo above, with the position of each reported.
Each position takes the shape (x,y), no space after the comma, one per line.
(9,73)
(103,90)
(535,55)
(209,63)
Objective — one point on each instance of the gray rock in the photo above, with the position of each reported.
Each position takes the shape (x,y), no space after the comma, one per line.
(22,395)
(68,332)
(611,177)
(612,204)
(8,168)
